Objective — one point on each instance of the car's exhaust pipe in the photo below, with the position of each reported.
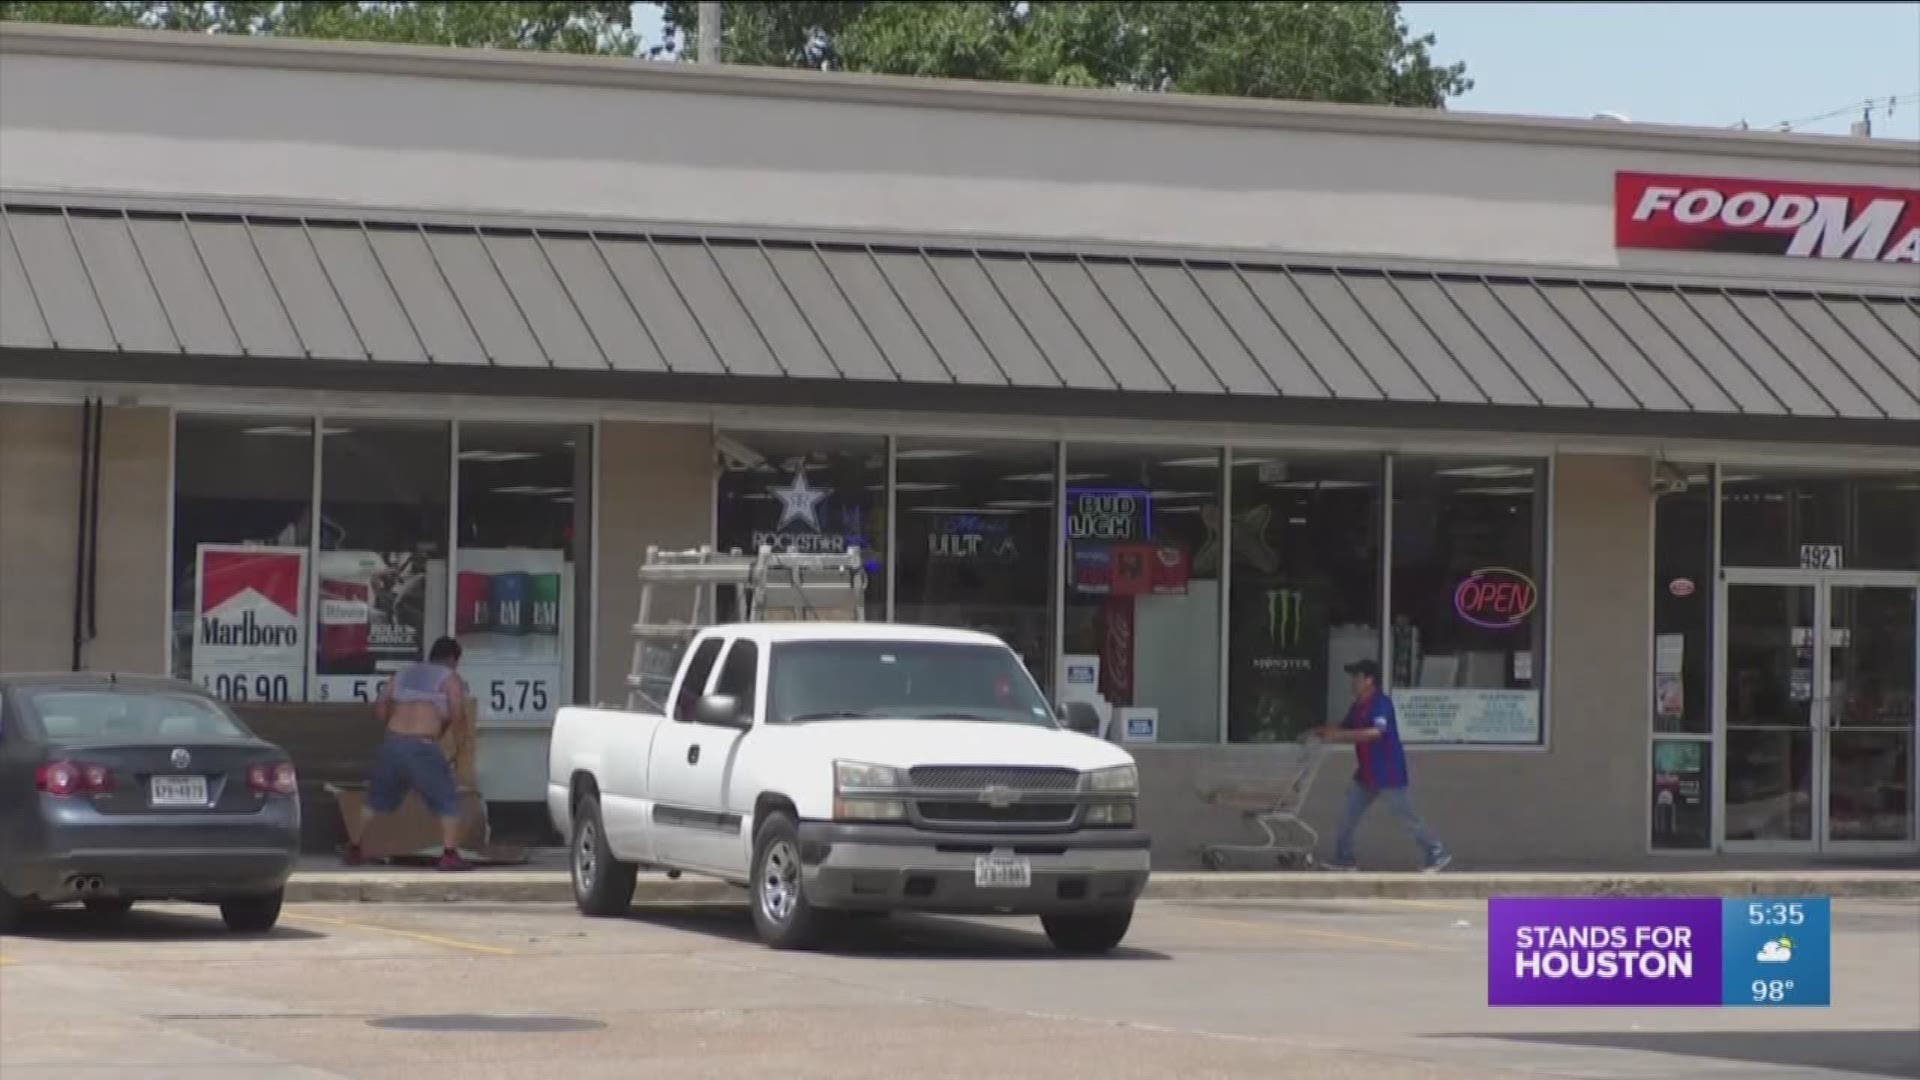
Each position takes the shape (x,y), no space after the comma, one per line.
(88,883)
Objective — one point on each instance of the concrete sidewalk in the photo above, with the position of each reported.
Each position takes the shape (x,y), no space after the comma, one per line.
(545,879)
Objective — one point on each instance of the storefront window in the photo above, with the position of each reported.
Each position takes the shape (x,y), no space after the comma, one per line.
(516,582)
(977,536)
(1680,815)
(806,492)
(382,573)
(243,504)
(1142,625)
(1469,617)
(1305,587)
(1820,521)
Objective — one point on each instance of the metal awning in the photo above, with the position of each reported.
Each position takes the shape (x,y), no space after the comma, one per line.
(326,289)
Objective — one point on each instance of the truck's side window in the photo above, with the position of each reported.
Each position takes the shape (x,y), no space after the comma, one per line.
(739,676)
(694,682)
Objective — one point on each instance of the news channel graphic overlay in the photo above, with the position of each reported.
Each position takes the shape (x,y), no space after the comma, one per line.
(1664,952)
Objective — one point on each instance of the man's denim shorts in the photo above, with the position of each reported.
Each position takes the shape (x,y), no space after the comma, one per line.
(411,762)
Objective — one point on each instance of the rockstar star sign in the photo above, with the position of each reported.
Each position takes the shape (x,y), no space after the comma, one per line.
(800,501)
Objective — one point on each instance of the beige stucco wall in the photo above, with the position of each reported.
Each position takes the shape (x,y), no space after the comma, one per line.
(39,524)
(656,488)
(1579,801)
(767,153)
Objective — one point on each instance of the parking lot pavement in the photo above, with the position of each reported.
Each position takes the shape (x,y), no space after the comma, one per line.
(1261,990)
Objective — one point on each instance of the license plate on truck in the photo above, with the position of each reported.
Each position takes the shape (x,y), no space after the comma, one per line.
(1002,872)
(179,791)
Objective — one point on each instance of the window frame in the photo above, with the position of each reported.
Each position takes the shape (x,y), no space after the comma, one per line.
(748,702)
(580,648)
(1546,466)
(683,682)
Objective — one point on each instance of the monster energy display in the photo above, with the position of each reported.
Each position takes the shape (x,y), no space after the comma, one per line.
(1276,652)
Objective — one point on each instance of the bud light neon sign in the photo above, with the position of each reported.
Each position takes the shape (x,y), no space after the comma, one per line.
(1495,598)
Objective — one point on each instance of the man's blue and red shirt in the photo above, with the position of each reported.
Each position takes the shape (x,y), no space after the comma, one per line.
(1383,764)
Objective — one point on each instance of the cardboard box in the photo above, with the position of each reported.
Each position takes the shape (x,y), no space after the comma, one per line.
(460,747)
(411,830)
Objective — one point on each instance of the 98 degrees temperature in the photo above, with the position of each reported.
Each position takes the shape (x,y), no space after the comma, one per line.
(1765,990)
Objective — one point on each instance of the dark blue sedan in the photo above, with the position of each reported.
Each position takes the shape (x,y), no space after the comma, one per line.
(117,789)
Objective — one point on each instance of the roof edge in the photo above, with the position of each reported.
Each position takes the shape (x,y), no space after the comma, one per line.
(160,46)
(690,390)
(1090,247)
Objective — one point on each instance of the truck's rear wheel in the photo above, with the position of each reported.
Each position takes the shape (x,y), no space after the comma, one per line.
(1088,933)
(602,884)
(781,914)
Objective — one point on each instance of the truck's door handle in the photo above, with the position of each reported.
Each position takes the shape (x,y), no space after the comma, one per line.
(693,754)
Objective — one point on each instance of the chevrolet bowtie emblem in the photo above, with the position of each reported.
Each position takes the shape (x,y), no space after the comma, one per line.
(999,797)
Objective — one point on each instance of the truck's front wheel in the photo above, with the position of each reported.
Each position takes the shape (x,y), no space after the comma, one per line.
(602,884)
(781,913)
(1089,932)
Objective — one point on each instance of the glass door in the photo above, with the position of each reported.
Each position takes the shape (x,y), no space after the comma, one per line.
(1818,712)
(1873,652)
(1771,712)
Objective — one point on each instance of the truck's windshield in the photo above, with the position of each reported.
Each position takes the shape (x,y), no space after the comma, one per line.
(900,680)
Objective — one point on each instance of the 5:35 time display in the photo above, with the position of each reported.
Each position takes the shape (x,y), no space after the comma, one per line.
(1776,913)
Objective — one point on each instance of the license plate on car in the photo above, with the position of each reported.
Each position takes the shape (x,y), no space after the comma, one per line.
(179,791)
(1000,872)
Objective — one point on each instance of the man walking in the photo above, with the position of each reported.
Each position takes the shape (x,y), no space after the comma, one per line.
(1373,729)
(418,706)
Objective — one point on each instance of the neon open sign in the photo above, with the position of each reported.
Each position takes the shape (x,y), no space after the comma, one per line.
(1495,598)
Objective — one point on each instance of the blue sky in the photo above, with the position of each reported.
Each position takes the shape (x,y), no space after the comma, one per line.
(1707,64)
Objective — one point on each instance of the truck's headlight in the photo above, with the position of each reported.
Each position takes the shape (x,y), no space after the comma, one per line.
(854,785)
(859,776)
(1122,779)
(1114,813)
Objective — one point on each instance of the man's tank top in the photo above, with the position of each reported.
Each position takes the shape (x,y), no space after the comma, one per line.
(423,682)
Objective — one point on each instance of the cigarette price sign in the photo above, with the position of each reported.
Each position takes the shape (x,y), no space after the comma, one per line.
(1659,952)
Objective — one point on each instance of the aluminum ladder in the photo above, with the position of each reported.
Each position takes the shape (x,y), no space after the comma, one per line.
(767,586)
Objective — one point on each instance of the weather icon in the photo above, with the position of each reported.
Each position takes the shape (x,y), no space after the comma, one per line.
(1776,951)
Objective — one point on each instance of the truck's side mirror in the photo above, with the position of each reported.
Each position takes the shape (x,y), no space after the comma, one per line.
(720,710)
(1079,716)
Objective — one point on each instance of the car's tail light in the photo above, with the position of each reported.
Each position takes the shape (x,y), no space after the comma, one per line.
(67,778)
(275,779)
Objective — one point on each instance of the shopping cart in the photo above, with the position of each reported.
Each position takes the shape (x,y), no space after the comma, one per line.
(1267,789)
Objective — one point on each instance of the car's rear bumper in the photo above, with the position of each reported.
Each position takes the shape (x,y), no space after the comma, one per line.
(153,874)
(160,857)
(889,868)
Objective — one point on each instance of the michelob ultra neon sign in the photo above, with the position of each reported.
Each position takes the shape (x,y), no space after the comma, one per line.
(1495,598)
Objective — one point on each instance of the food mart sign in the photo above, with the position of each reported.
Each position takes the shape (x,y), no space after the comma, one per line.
(1766,217)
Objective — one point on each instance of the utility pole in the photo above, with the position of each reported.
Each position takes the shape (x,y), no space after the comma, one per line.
(1864,128)
(709,31)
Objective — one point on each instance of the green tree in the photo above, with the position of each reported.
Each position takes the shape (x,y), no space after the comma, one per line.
(575,28)
(1358,52)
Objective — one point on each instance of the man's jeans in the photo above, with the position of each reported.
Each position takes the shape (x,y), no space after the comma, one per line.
(1360,798)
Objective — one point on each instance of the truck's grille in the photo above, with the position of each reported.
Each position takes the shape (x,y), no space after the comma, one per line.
(979,813)
(971,778)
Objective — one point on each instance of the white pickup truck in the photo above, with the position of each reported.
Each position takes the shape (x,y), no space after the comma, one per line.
(837,768)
